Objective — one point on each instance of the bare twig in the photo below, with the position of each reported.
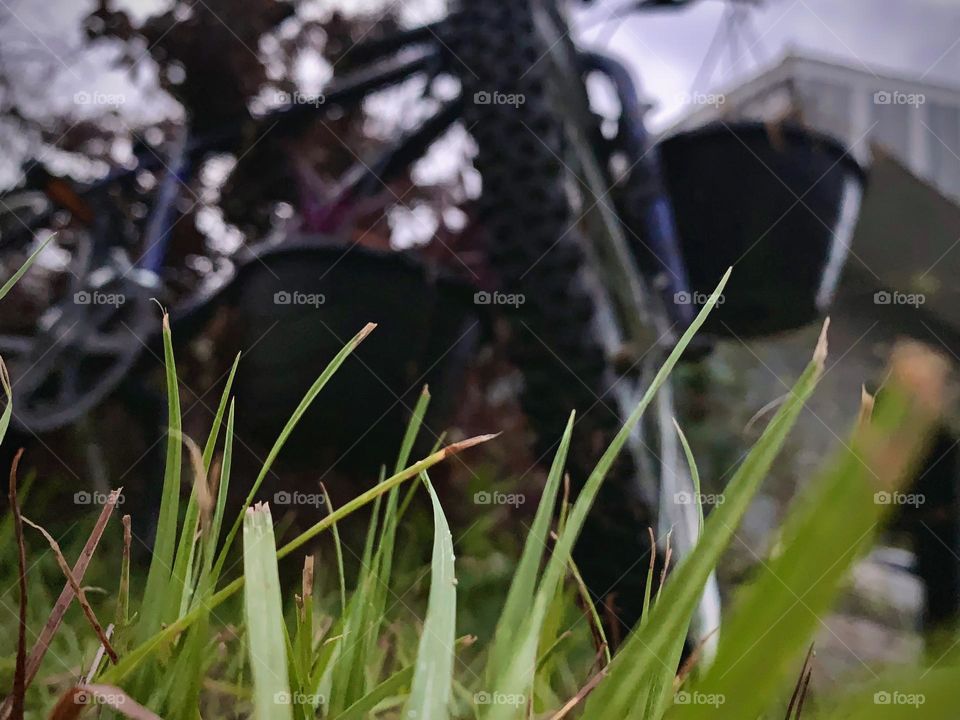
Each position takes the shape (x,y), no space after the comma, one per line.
(20,674)
(581,694)
(63,602)
(694,658)
(77,589)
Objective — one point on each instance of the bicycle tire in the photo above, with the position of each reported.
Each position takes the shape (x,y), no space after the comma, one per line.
(536,251)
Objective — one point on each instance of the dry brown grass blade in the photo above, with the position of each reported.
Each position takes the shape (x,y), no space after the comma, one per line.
(63,602)
(581,694)
(867,402)
(20,673)
(306,586)
(459,447)
(800,689)
(78,698)
(667,556)
(123,592)
(201,482)
(612,620)
(803,693)
(69,706)
(693,659)
(77,590)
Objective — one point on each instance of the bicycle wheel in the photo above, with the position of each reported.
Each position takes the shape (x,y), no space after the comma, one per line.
(559,337)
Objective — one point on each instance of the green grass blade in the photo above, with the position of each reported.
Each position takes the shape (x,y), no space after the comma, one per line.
(211,443)
(15,278)
(828,529)
(208,579)
(433,676)
(413,429)
(181,579)
(155,596)
(524,584)
(4,375)
(694,475)
(393,685)
(146,649)
(651,651)
(515,678)
(263,613)
(8,406)
(363,620)
(298,413)
(928,693)
(338,552)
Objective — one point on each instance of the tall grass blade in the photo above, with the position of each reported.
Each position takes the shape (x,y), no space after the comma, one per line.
(829,528)
(642,671)
(15,278)
(524,584)
(298,413)
(156,596)
(264,618)
(138,655)
(515,677)
(433,677)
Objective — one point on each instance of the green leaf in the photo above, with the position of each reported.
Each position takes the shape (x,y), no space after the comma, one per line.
(156,595)
(393,685)
(433,677)
(651,652)
(515,676)
(827,530)
(138,655)
(8,285)
(523,587)
(694,475)
(295,418)
(264,618)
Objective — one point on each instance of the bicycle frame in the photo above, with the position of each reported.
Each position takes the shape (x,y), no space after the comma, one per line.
(630,297)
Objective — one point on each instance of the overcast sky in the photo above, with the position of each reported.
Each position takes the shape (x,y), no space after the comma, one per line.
(919,38)
(666,49)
